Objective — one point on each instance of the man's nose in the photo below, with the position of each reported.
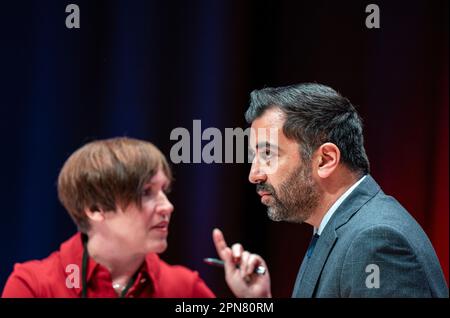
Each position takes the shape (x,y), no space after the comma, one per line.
(256,174)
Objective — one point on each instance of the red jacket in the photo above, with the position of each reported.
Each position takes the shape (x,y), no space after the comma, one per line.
(56,276)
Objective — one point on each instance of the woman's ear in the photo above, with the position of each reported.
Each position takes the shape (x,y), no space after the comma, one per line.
(94,214)
(328,156)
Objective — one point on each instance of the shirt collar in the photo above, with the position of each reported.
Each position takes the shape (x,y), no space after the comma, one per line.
(335,206)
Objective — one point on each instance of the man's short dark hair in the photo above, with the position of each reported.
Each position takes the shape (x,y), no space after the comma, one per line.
(315,114)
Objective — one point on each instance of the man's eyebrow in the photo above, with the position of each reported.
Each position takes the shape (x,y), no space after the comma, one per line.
(266,144)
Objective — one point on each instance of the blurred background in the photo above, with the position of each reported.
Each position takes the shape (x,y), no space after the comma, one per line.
(143,68)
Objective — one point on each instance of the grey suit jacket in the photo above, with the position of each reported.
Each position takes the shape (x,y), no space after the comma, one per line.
(371,247)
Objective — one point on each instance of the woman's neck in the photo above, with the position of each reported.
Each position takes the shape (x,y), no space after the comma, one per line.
(121,263)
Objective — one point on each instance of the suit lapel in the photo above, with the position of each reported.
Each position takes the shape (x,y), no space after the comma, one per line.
(303,266)
(311,268)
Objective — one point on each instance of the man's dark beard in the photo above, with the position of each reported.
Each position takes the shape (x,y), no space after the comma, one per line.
(296,199)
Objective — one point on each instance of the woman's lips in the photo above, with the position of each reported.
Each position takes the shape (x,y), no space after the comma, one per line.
(162,226)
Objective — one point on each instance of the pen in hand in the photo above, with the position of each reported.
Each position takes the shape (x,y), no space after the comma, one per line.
(260,270)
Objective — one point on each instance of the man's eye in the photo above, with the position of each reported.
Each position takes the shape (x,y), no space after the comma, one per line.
(267,154)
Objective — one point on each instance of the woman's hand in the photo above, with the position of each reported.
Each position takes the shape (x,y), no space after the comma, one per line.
(239,269)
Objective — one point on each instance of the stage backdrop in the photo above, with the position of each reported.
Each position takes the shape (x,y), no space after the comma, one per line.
(143,68)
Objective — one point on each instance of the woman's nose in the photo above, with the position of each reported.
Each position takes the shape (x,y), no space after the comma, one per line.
(164,205)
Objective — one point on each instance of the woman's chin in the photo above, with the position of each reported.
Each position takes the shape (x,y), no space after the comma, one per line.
(157,247)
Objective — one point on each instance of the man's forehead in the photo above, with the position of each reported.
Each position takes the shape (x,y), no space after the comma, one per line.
(267,129)
(267,132)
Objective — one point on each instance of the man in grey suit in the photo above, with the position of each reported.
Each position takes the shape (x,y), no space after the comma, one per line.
(365,244)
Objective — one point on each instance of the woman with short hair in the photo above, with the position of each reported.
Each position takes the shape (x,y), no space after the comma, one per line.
(115,191)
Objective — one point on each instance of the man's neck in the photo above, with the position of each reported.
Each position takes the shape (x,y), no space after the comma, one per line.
(332,192)
(121,264)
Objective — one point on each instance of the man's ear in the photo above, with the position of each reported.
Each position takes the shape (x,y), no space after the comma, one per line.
(328,156)
(94,214)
